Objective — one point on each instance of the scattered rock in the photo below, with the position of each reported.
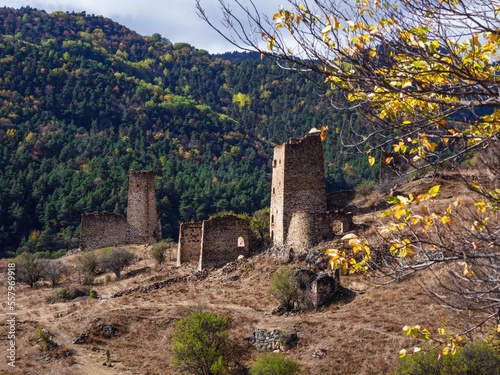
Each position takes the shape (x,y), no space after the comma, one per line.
(154,286)
(82,339)
(320,353)
(288,255)
(110,330)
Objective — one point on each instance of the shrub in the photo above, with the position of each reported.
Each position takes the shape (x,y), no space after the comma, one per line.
(63,295)
(472,359)
(44,336)
(92,294)
(275,364)
(89,263)
(116,260)
(285,288)
(201,345)
(158,252)
(53,271)
(28,269)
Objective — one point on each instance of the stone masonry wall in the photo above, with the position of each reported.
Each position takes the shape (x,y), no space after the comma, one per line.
(223,239)
(308,228)
(298,183)
(141,210)
(189,248)
(273,340)
(102,229)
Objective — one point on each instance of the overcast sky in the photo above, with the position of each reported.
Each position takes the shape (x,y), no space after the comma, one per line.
(175,20)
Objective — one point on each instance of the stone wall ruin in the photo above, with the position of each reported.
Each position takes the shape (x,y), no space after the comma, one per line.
(142,224)
(214,242)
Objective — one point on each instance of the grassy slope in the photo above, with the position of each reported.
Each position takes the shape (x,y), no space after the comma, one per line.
(361,334)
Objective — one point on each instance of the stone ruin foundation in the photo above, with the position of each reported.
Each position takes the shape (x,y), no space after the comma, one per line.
(273,340)
(142,224)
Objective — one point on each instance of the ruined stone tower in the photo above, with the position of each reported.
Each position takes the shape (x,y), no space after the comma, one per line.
(298,183)
(142,224)
(141,209)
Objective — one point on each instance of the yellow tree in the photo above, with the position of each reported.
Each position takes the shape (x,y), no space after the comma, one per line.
(425,76)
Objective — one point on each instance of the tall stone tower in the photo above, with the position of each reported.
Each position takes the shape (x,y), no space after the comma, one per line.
(298,183)
(142,215)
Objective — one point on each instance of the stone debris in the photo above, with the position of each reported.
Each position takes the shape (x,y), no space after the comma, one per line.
(273,340)
(320,353)
(154,286)
(82,339)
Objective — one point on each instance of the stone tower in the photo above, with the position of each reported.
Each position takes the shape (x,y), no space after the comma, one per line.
(298,183)
(142,215)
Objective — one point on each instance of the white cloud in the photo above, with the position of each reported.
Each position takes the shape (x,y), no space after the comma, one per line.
(173,19)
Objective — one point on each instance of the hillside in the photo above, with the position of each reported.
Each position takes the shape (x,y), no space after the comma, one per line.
(83,100)
(356,333)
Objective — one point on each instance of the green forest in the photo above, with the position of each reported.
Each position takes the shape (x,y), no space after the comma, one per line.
(84,99)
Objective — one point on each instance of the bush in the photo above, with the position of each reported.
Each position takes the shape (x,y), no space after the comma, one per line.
(285,288)
(201,345)
(29,269)
(89,263)
(274,364)
(63,295)
(116,260)
(53,271)
(473,359)
(44,336)
(259,224)
(158,252)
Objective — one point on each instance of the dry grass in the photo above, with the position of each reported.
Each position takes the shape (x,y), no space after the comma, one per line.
(360,333)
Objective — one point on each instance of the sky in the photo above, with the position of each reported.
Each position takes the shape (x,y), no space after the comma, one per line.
(175,20)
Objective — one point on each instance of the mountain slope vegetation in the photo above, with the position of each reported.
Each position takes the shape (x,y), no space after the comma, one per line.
(83,100)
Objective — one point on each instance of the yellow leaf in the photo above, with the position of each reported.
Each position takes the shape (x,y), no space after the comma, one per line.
(367,250)
(434,190)
(446,350)
(323,136)
(441,331)
(371,160)
(388,160)
(402,353)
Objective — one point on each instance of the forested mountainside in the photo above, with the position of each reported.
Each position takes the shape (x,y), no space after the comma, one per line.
(83,100)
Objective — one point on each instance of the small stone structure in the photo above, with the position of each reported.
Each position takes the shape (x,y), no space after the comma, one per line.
(316,289)
(214,242)
(301,214)
(142,224)
(273,340)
